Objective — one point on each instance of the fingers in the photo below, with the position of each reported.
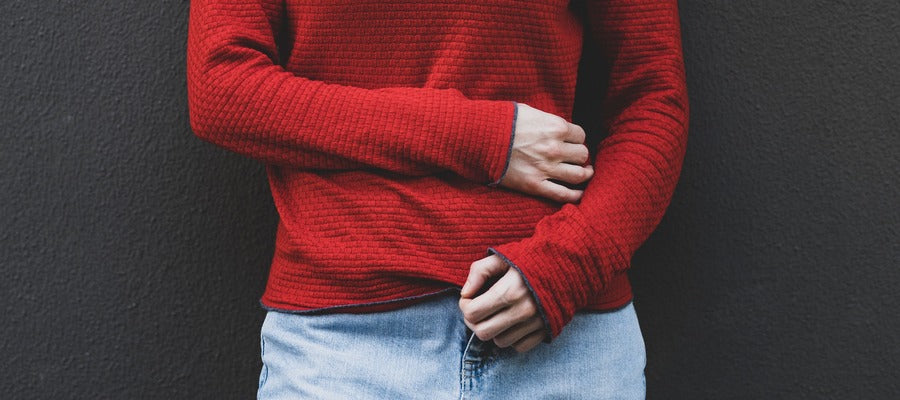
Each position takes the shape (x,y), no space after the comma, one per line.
(572,173)
(573,153)
(506,319)
(575,134)
(480,272)
(518,331)
(505,313)
(530,341)
(502,294)
(557,192)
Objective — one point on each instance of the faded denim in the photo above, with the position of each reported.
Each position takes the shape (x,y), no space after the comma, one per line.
(425,351)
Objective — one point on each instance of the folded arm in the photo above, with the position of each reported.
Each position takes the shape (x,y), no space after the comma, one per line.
(241,99)
(574,253)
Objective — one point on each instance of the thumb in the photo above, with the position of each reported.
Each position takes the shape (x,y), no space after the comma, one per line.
(480,272)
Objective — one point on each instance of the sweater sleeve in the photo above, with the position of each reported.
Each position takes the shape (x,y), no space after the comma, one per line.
(240,98)
(574,253)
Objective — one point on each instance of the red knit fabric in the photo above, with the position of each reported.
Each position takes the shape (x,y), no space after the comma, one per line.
(384,126)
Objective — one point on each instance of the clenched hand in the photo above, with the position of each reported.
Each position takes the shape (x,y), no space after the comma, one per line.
(506,313)
(546,146)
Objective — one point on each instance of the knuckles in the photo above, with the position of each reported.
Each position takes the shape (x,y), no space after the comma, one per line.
(558,126)
(529,309)
(583,175)
(513,294)
(483,334)
(502,342)
(554,150)
(583,154)
(469,315)
(519,292)
(543,167)
(507,298)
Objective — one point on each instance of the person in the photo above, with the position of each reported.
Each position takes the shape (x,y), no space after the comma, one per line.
(445,231)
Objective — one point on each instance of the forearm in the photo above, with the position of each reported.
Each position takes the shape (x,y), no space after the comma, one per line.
(241,99)
(575,252)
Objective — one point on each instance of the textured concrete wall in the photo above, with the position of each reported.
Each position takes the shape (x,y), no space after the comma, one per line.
(133,255)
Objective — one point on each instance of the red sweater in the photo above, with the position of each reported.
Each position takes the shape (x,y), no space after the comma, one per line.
(385,125)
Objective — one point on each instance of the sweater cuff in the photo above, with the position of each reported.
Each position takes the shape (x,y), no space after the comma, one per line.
(563,266)
(512,137)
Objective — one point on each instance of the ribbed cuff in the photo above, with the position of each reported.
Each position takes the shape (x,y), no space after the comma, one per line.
(564,264)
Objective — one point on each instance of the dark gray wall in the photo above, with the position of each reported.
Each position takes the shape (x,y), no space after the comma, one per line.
(133,255)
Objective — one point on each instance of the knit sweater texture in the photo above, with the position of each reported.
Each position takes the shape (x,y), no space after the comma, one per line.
(385,127)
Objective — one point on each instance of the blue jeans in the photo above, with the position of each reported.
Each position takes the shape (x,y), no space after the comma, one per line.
(425,351)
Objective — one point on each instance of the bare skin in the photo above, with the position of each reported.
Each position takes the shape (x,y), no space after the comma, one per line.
(545,146)
(506,313)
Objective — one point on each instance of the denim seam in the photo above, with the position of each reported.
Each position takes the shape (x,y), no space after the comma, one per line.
(463,371)
(265,368)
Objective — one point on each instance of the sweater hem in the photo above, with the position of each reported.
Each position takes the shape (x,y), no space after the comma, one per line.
(365,307)
(392,304)
(617,295)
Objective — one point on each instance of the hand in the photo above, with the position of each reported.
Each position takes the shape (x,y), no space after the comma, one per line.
(506,313)
(546,146)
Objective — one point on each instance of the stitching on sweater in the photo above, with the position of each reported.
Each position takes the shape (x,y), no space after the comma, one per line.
(512,137)
(645,34)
